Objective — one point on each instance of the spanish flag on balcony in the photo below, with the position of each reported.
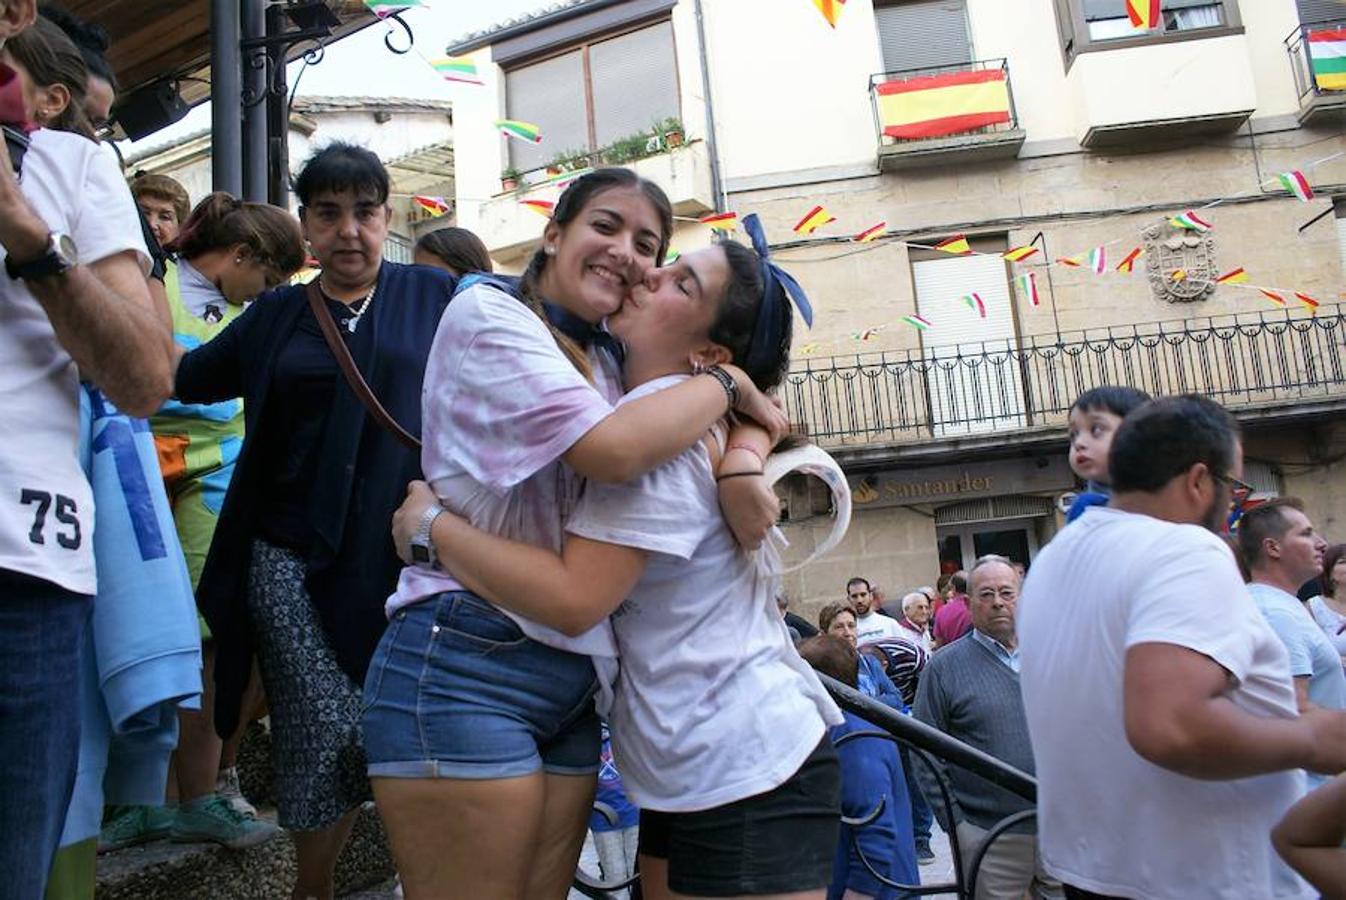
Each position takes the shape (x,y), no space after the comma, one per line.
(1327,53)
(937,105)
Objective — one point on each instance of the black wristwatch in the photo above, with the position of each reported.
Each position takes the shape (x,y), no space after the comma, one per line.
(60,257)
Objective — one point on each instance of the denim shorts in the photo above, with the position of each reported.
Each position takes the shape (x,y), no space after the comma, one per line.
(456,690)
(779,842)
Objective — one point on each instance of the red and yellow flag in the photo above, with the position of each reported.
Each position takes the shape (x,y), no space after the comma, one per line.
(957,245)
(872,233)
(831,10)
(1233,276)
(1309,303)
(727,221)
(1273,297)
(1129,263)
(938,105)
(541,207)
(1019,254)
(1144,14)
(813,220)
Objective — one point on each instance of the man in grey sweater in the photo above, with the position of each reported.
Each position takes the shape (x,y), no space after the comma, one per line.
(970,691)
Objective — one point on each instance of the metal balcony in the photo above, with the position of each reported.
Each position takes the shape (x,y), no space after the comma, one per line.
(1317,104)
(1280,363)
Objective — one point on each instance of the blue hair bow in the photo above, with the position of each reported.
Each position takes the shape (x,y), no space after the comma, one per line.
(777,284)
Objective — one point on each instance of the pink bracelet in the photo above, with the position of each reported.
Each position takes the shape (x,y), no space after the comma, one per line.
(761,462)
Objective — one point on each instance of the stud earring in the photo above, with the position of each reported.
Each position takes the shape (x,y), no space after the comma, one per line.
(549,250)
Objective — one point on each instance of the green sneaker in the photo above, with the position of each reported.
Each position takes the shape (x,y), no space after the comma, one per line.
(211,818)
(126,826)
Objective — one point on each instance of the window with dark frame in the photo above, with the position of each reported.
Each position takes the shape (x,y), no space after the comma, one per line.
(1087,25)
(922,34)
(591,95)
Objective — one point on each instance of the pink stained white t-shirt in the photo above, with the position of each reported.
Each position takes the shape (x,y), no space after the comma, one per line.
(500,405)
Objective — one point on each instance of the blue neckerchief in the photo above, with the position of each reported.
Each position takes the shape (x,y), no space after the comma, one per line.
(564,321)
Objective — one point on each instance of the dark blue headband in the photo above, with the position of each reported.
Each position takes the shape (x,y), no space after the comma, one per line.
(776,285)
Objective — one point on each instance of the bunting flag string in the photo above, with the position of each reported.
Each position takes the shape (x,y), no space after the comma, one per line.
(541,207)
(920,323)
(523,131)
(726,221)
(1190,221)
(974,302)
(831,10)
(867,334)
(1128,264)
(1273,296)
(435,206)
(1026,285)
(456,68)
(1233,276)
(1297,184)
(1144,14)
(956,245)
(872,233)
(1018,254)
(813,220)
(1308,302)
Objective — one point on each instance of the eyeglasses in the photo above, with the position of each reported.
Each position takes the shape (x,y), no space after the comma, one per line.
(1235,484)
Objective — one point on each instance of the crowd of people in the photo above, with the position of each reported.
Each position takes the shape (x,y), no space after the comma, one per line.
(206,456)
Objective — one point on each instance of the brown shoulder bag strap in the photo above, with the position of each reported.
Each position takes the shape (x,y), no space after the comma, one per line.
(351,371)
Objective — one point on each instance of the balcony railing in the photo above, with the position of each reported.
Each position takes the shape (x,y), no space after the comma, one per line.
(963,109)
(1320,89)
(911,396)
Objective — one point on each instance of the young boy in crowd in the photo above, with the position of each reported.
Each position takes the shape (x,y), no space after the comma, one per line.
(1094,419)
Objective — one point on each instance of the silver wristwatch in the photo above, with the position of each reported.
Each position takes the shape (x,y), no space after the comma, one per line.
(422,546)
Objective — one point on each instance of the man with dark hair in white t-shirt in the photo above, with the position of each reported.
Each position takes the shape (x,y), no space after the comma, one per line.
(73,304)
(870,626)
(1159,701)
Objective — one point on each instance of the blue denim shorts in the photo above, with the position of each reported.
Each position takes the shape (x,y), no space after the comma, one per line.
(456,690)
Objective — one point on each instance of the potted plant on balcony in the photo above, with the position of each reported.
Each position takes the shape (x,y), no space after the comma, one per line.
(672,131)
(627,149)
(509,179)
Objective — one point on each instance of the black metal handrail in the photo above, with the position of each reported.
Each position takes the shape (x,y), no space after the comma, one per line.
(1301,62)
(913,395)
(976,65)
(923,743)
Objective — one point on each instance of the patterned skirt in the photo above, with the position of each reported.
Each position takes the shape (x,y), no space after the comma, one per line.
(316,746)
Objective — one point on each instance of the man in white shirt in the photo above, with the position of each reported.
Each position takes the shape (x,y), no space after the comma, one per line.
(870,625)
(1159,702)
(1282,551)
(73,304)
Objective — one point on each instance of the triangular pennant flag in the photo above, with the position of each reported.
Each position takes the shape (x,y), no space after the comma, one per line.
(1309,303)
(974,302)
(1233,276)
(831,10)
(1273,297)
(872,233)
(1190,221)
(523,131)
(921,323)
(435,206)
(1144,14)
(813,220)
(1073,262)
(1098,260)
(541,207)
(1019,254)
(1129,263)
(1297,184)
(727,221)
(957,245)
(808,348)
(1027,286)
(867,334)
(385,8)
(456,68)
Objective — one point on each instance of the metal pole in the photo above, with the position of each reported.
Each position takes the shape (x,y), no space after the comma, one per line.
(254,115)
(226,97)
(277,114)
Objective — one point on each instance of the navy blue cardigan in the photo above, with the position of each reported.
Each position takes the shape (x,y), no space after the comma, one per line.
(363,471)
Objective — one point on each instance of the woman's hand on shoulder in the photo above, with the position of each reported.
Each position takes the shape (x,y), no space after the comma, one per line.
(764,409)
(407,517)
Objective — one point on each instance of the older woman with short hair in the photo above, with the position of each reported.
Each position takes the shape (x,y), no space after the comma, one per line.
(302,561)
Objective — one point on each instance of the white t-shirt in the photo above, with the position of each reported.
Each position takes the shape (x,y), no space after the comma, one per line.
(876,627)
(1108,820)
(46,506)
(500,405)
(713,704)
